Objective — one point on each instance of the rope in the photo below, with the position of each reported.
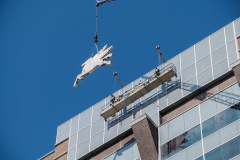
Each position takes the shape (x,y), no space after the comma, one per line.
(159,60)
(96,19)
(93,51)
(95,36)
(115,85)
(96,46)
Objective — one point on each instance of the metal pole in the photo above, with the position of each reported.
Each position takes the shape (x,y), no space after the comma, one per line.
(160,52)
(115,74)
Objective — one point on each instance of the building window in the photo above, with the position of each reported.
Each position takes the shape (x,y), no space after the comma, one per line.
(226,151)
(221,120)
(129,152)
(181,142)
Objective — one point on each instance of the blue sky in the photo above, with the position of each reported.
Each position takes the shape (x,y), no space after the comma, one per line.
(44,42)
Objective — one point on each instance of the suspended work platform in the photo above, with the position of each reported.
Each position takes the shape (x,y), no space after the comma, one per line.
(139,91)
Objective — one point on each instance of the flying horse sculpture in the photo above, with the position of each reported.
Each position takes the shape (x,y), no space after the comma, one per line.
(99,60)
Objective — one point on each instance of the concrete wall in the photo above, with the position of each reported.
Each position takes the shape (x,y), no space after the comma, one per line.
(60,152)
(146,136)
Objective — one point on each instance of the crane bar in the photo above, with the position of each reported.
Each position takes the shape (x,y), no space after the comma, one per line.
(139,91)
(160,52)
(116,75)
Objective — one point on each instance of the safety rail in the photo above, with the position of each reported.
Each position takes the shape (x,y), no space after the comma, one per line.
(138,91)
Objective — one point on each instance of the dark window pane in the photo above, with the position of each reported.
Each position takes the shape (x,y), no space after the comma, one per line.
(181,142)
(192,136)
(214,154)
(226,151)
(209,126)
(200,158)
(164,151)
(231,148)
(220,120)
(226,117)
(237,110)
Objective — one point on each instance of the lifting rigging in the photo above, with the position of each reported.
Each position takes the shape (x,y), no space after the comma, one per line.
(102,2)
(100,58)
(160,52)
(116,75)
(99,2)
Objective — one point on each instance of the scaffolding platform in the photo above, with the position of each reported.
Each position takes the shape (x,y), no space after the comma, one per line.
(139,91)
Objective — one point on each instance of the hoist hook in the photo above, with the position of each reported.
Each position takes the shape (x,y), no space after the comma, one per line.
(96,38)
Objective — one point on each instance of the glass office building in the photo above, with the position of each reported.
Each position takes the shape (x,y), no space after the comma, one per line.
(196,115)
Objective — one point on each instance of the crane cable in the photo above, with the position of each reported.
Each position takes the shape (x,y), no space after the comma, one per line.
(160,62)
(115,84)
(96,19)
(96,35)
(96,30)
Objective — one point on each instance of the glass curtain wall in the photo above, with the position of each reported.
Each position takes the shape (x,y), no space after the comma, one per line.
(194,134)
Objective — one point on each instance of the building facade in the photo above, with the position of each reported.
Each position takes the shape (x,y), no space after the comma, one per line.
(196,115)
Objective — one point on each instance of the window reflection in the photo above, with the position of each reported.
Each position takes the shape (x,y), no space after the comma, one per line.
(215,154)
(237,110)
(200,158)
(128,152)
(231,148)
(181,142)
(221,120)
(226,151)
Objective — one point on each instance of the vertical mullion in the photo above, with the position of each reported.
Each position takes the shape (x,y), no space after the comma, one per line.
(140,107)
(77,137)
(195,61)
(225,39)
(57,134)
(210,50)
(132,102)
(180,71)
(104,126)
(199,110)
(69,137)
(235,39)
(90,140)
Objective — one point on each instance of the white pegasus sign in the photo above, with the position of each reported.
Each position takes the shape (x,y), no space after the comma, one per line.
(99,60)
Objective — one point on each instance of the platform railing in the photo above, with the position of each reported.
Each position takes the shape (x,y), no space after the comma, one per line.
(169,67)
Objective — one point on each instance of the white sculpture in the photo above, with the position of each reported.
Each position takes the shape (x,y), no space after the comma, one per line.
(99,60)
